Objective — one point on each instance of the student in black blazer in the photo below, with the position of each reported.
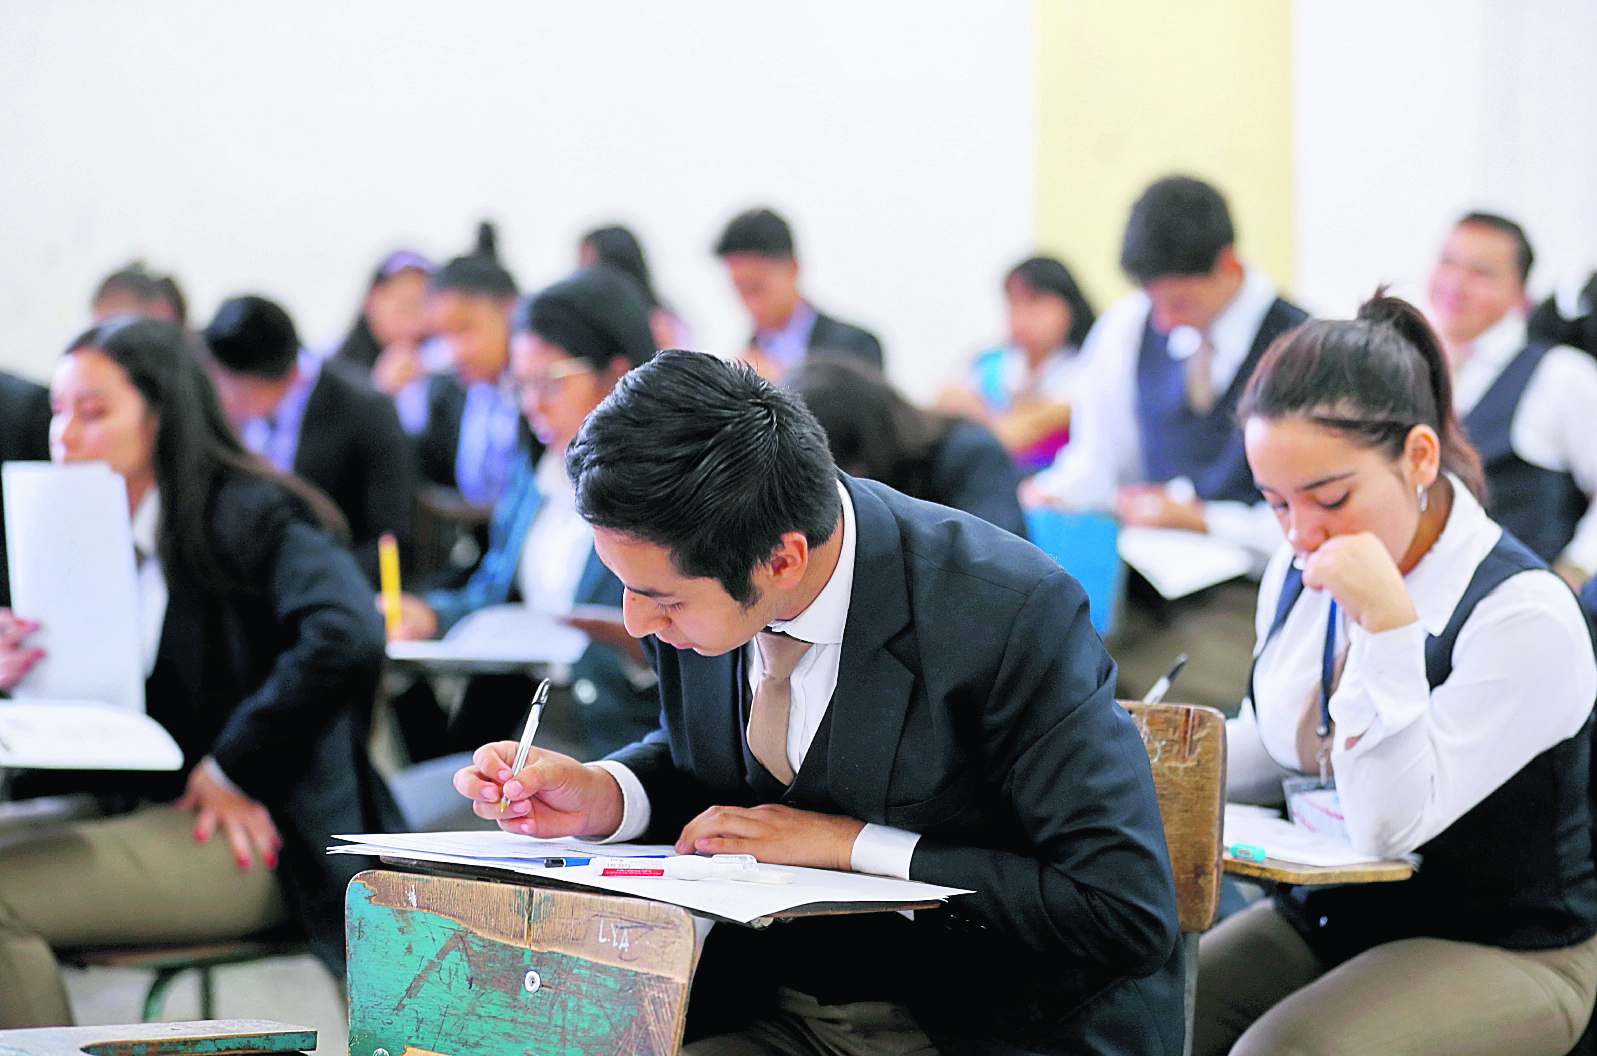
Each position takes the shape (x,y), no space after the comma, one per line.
(953,721)
(24,437)
(875,433)
(757,248)
(318,420)
(264,672)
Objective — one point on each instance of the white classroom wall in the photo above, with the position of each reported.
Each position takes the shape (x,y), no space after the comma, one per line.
(1409,113)
(285,148)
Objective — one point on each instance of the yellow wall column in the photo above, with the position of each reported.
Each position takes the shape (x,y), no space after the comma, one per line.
(1132,90)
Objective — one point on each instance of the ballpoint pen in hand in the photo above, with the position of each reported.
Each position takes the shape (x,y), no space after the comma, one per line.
(1161,687)
(527,733)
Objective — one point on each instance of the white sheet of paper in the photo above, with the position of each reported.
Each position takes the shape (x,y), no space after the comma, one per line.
(71,559)
(509,634)
(730,899)
(1179,563)
(1285,841)
(83,735)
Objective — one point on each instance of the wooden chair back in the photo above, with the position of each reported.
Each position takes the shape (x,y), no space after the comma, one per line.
(1186,746)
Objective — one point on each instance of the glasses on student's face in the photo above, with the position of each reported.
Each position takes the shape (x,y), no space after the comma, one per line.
(546,384)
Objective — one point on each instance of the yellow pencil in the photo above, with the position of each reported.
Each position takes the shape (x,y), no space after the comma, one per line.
(388,574)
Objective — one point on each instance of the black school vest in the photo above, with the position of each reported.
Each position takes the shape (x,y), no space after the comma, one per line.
(1541,507)
(1515,871)
(1206,449)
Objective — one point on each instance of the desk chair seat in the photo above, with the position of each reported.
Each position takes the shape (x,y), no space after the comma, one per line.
(1186,747)
(169,962)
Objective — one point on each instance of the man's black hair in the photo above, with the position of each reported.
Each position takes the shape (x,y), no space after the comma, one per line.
(709,460)
(758,231)
(1178,227)
(252,335)
(1524,256)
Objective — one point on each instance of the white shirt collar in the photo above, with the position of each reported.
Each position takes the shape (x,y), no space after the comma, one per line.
(146,523)
(1488,355)
(822,622)
(1440,578)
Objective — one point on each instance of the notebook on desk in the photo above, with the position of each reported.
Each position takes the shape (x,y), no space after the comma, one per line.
(70,552)
(498,634)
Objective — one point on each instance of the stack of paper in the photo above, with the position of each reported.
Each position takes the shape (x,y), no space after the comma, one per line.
(499,634)
(728,899)
(1284,841)
(1178,563)
(71,561)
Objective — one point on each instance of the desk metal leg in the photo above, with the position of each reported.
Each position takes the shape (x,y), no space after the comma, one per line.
(1189,945)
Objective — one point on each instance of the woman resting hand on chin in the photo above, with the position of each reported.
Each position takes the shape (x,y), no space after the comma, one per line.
(1444,677)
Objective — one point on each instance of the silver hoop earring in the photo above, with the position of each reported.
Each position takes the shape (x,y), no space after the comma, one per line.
(1424,496)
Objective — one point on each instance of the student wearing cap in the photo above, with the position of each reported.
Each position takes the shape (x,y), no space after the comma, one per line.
(1154,437)
(1528,405)
(315,420)
(757,249)
(571,343)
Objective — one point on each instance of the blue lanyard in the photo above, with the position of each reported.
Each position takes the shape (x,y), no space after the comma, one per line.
(1327,672)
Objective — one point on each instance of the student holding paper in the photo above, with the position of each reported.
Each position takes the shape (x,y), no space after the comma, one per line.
(1444,677)
(853,679)
(262,653)
(570,345)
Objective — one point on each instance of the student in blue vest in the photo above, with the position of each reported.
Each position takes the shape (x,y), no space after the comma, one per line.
(571,344)
(1444,677)
(1154,436)
(1529,407)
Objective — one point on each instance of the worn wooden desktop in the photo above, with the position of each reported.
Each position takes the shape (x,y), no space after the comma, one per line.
(1281,872)
(457,960)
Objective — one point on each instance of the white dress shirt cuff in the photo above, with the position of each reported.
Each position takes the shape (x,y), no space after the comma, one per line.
(634,804)
(1389,691)
(883,850)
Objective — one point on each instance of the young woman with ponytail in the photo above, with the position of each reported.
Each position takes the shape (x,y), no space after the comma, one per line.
(1431,666)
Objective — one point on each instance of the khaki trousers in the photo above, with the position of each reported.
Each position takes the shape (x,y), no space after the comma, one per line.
(1261,990)
(804,1027)
(139,878)
(1213,627)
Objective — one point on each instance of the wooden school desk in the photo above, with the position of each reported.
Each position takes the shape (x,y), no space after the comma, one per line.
(216,1037)
(1281,872)
(470,960)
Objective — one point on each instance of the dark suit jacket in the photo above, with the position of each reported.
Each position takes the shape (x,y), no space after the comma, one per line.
(834,336)
(439,440)
(971,471)
(353,448)
(24,436)
(974,705)
(276,679)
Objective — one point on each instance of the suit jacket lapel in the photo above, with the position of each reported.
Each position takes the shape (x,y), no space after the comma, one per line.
(873,685)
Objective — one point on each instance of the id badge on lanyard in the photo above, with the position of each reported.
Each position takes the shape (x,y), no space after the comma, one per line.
(1311,801)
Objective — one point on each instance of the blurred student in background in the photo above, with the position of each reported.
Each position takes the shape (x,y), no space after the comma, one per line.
(877,434)
(134,290)
(24,437)
(1436,668)
(314,419)
(262,654)
(1154,435)
(757,249)
(387,336)
(619,248)
(472,432)
(1529,406)
(1022,390)
(572,343)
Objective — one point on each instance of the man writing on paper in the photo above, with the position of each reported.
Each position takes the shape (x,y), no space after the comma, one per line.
(856,680)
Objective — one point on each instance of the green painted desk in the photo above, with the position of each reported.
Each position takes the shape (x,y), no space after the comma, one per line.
(214,1037)
(488,964)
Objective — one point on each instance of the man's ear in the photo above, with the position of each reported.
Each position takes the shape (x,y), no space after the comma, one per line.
(788,561)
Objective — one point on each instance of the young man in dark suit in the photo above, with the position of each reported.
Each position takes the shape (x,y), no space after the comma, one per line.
(316,420)
(757,249)
(854,679)
(24,437)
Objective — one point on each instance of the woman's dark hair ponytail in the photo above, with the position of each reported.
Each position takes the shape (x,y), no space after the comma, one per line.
(478,272)
(1372,378)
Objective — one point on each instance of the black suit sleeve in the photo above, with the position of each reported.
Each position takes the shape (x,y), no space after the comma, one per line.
(437,443)
(971,471)
(388,482)
(832,336)
(1076,780)
(332,652)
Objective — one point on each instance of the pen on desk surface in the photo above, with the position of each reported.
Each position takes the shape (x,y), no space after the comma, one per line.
(533,715)
(1246,852)
(1161,687)
(388,577)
